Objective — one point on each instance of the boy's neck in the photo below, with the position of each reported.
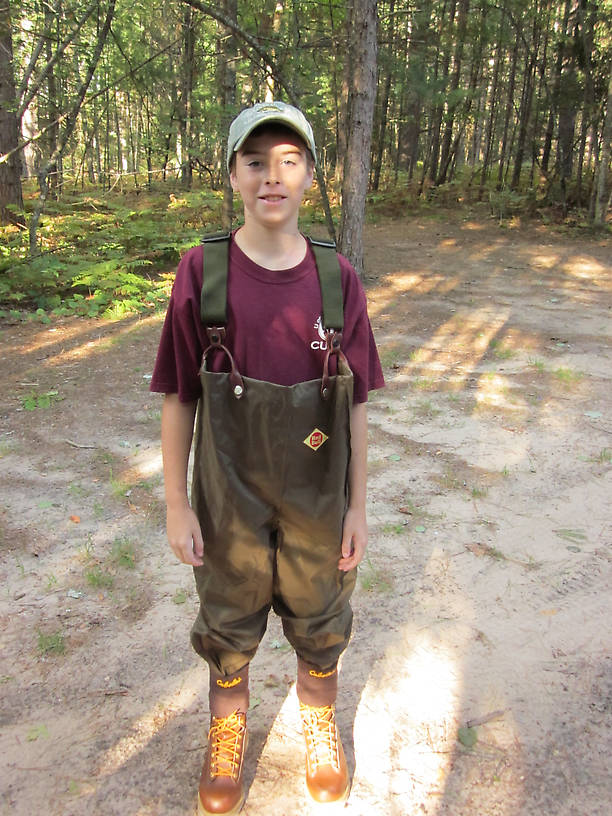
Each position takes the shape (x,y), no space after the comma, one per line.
(273,249)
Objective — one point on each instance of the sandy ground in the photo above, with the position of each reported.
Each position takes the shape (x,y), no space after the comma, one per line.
(479,678)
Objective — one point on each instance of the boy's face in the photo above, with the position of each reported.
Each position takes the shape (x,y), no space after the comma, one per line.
(271,171)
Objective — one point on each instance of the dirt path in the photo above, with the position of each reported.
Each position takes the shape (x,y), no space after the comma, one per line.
(482,610)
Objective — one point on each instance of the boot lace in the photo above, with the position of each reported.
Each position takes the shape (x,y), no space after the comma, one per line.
(321,735)
(225,739)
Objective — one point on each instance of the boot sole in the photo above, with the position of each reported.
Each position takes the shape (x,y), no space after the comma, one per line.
(329,806)
(233,812)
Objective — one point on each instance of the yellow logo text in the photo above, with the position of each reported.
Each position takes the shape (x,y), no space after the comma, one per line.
(321,675)
(229,683)
(315,439)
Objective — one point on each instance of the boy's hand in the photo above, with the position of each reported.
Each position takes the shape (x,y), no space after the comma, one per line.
(354,539)
(185,535)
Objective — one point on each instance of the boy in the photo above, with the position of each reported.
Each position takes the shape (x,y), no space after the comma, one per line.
(279,486)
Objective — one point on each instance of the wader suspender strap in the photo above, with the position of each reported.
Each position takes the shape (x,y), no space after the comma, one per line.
(331,287)
(213,301)
(332,317)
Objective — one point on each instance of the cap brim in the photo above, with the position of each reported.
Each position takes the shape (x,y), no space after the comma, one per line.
(280,120)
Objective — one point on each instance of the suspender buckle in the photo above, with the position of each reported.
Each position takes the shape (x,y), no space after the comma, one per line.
(334,341)
(216,335)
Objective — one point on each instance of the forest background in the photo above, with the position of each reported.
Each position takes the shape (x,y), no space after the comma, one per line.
(113,118)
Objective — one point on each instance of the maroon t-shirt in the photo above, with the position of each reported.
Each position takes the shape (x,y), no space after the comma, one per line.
(273,329)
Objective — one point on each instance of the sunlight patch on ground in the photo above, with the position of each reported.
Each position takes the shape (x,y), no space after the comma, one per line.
(144,729)
(467,337)
(403,283)
(473,226)
(406,721)
(48,336)
(149,463)
(281,762)
(103,344)
(492,391)
(544,261)
(587,269)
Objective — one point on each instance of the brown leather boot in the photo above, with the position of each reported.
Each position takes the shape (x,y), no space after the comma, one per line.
(221,790)
(327,778)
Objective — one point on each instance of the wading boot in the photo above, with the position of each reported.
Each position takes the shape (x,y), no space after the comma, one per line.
(221,792)
(327,779)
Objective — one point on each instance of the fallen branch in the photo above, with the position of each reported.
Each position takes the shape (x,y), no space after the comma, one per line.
(494,715)
(76,445)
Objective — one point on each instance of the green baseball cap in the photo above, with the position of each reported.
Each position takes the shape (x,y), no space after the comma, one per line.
(282,113)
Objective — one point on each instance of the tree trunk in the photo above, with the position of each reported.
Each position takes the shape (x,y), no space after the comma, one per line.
(118,131)
(603,196)
(336,100)
(587,26)
(70,121)
(509,110)
(133,153)
(362,92)
(416,72)
(475,150)
(52,107)
(525,110)
(107,129)
(96,145)
(438,112)
(343,107)
(228,52)
(567,123)
(10,168)
(550,128)
(401,127)
(493,100)
(454,85)
(384,102)
(541,99)
(149,146)
(88,147)
(186,97)
(274,24)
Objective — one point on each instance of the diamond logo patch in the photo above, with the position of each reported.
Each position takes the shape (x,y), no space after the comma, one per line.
(316,439)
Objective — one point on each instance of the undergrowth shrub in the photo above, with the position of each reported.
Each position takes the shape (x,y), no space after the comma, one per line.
(102,257)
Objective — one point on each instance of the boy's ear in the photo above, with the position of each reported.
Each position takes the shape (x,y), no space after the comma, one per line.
(309,176)
(233,179)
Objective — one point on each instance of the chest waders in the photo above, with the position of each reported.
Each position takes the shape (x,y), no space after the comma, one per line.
(270,488)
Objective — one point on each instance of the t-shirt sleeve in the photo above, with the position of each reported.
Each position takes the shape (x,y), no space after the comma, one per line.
(179,355)
(358,341)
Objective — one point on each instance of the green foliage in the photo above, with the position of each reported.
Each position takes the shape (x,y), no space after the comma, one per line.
(373,578)
(102,258)
(500,351)
(567,376)
(33,400)
(468,737)
(99,578)
(37,732)
(51,644)
(119,488)
(505,203)
(123,553)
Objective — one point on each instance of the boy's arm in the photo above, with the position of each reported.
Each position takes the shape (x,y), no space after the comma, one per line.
(355,530)
(182,525)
